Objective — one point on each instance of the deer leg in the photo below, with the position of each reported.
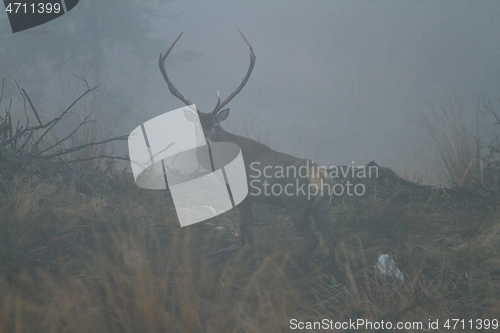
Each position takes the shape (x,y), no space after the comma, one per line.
(320,214)
(246,223)
(302,224)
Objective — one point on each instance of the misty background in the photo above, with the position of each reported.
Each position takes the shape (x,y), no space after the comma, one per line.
(334,81)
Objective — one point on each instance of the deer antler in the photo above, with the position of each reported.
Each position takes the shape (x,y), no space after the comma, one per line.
(171,86)
(219,106)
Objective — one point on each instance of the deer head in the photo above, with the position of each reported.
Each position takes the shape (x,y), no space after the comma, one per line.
(210,122)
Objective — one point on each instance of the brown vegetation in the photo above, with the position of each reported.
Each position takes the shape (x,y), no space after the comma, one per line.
(116,260)
(119,262)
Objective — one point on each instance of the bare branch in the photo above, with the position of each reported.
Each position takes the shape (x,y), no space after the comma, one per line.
(24,99)
(32,106)
(28,129)
(1,94)
(83,79)
(18,129)
(73,149)
(113,157)
(70,135)
(7,112)
(490,109)
(26,141)
(54,121)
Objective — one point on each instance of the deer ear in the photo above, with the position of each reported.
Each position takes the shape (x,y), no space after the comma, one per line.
(222,115)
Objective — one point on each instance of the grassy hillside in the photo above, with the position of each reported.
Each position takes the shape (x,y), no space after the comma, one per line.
(117,261)
(111,257)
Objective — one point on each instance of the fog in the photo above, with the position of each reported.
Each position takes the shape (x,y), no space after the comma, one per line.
(334,81)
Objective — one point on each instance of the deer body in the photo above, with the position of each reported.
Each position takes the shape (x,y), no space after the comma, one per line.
(298,185)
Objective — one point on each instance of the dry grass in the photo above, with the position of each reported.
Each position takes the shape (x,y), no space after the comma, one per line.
(467,147)
(120,263)
(117,261)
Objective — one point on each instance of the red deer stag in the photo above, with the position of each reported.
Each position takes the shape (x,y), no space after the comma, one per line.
(298,185)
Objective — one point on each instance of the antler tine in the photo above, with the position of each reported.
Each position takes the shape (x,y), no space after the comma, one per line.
(218,100)
(171,86)
(245,79)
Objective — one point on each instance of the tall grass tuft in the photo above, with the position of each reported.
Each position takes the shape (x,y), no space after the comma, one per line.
(467,144)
